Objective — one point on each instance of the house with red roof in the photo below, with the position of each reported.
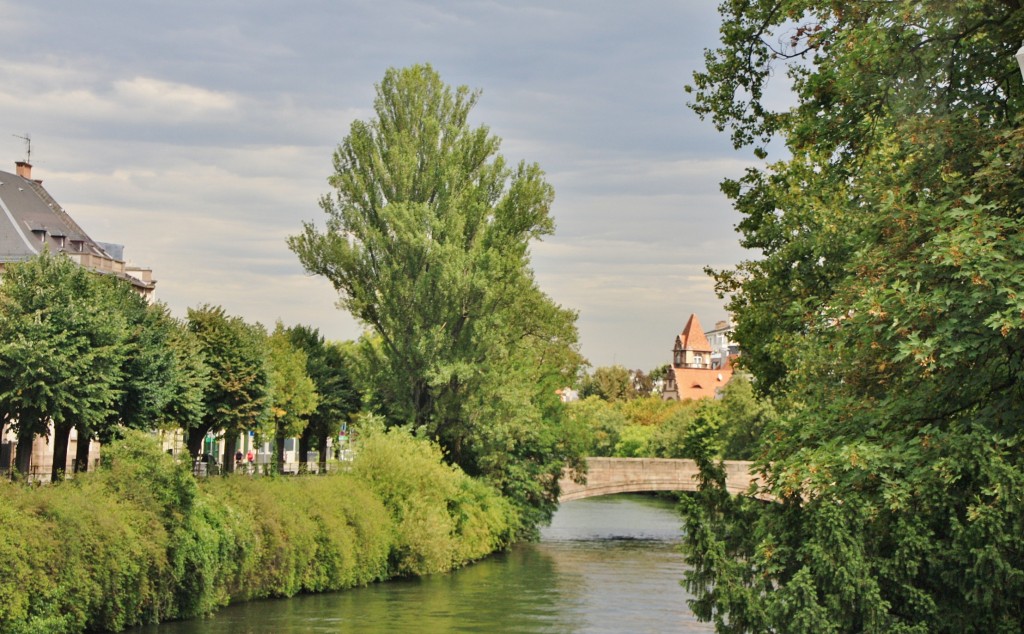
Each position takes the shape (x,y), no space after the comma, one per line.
(694,372)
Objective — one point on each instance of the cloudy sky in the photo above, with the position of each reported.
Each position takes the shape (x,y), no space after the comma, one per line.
(199,135)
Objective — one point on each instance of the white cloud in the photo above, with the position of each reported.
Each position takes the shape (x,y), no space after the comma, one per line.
(157,98)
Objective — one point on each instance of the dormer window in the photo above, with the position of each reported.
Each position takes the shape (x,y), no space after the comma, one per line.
(40,233)
(76,245)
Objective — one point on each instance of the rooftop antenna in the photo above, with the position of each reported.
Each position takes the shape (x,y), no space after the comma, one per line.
(28,146)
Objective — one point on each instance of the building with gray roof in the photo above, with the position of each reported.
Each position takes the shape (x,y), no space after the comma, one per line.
(31,221)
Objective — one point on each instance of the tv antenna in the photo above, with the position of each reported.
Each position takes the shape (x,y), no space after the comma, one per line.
(28,146)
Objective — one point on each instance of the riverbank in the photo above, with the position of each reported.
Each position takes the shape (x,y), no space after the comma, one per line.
(140,541)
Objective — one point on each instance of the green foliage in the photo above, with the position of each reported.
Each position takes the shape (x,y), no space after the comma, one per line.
(651,411)
(191,380)
(884,317)
(139,541)
(441,517)
(238,393)
(293,394)
(634,442)
(427,243)
(331,369)
(61,350)
(745,416)
(148,379)
(656,428)
(599,422)
(669,438)
(611,383)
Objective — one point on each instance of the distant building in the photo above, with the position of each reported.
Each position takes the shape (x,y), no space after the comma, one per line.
(722,345)
(567,395)
(31,221)
(695,371)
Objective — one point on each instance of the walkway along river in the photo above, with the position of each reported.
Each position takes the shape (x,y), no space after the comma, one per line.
(606,564)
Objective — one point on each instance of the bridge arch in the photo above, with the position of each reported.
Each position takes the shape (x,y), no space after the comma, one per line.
(607,476)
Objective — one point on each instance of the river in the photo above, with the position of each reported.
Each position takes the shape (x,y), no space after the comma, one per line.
(606,564)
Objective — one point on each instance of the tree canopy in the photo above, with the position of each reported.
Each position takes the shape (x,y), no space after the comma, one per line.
(293,393)
(883,313)
(61,351)
(427,242)
(337,396)
(238,393)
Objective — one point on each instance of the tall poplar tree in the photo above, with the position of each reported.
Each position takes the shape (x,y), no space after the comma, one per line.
(427,242)
(884,313)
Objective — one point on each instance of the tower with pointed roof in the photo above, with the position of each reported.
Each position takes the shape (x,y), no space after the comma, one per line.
(692,349)
(691,374)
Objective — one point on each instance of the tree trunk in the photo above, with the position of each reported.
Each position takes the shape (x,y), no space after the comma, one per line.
(194,442)
(230,442)
(321,447)
(61,433)
(23,461)
(304,443)
(82,451)
(279,451)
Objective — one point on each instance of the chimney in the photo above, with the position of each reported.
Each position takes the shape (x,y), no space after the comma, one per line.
(24,169)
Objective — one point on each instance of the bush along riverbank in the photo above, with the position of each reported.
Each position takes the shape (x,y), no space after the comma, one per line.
(141,541)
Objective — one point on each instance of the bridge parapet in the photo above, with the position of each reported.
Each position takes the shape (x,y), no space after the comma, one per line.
(606,476)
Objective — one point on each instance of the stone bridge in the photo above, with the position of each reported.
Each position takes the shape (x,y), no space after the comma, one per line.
(606,476)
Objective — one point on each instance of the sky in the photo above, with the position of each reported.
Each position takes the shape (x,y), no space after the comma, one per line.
(200,134)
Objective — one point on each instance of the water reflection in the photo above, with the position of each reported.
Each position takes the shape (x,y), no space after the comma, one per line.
(604,565)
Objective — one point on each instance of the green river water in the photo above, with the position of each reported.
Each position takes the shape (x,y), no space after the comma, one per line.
(605,564)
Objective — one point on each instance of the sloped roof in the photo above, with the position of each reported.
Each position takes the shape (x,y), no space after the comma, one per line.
(31,220)
(700,382)
(692,337)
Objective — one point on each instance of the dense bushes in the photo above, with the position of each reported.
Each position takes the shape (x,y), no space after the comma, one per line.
(141,541)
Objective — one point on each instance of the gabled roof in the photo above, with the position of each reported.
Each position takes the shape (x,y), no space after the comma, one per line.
(692,337)
(31,220)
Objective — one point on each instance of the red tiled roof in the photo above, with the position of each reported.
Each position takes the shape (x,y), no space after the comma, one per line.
(699,382)
(692,337)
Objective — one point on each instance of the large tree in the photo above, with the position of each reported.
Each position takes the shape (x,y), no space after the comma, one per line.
(149,377)
(884,314)
(293,394)
(61,349)
(337,397)
(237,395)
(427,242)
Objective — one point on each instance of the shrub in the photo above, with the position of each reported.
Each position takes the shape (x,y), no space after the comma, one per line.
(429,502)
(140,541)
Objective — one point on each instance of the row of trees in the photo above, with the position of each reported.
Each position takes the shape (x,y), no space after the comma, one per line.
(615,382)
(84,351)
(885,315)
